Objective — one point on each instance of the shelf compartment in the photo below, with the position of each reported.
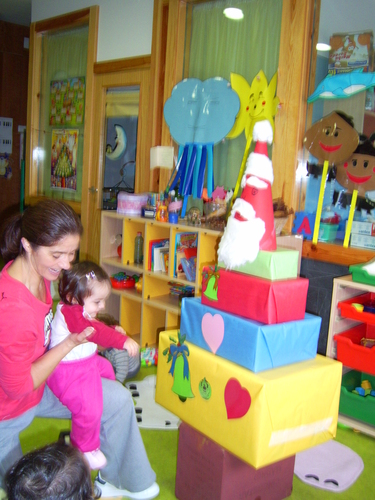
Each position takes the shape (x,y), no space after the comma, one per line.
(350,351)
(112,227)
(130,230)
(154,231)
(348,310)
(130,314)
(153,322)
(353,405)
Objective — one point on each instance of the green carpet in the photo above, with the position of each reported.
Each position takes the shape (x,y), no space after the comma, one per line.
(162,446)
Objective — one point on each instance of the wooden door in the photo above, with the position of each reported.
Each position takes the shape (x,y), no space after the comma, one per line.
(127,72)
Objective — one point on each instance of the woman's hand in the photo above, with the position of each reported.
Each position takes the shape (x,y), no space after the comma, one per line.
(75,339)
(131,346)
(42,368)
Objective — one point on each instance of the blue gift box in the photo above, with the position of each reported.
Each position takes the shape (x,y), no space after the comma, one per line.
(248,343)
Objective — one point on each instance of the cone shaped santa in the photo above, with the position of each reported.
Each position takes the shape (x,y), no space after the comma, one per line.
(251,225)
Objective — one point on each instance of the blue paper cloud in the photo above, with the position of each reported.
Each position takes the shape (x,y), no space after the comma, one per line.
(201,112)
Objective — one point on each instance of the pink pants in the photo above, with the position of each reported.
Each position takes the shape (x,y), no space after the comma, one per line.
(78,386)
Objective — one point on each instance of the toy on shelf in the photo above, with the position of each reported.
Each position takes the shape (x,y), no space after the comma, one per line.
(122,280)
(365,389)
(149,356)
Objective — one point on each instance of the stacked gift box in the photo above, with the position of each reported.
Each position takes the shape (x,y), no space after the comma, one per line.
(244,377)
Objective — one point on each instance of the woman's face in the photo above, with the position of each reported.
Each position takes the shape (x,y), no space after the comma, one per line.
(48,262)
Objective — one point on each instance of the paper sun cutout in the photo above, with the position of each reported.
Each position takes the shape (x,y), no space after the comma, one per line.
(199,115)
(237,399)
(213,330)
(343,85)
(258,103)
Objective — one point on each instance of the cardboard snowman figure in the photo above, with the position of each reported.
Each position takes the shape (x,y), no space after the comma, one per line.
(251,225)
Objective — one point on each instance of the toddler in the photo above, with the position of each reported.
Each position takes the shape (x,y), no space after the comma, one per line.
(76,381)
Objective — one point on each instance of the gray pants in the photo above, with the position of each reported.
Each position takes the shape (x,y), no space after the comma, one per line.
(121,442)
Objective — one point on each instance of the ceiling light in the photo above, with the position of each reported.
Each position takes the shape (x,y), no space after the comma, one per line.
(323,47)
(233,13)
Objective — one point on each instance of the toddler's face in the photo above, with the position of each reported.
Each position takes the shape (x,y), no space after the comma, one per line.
(96,302)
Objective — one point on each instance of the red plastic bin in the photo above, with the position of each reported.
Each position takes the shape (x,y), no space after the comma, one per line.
(349,311)
(350,351)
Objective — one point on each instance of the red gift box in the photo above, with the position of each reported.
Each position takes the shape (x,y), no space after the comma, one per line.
(206,471)
(255,298)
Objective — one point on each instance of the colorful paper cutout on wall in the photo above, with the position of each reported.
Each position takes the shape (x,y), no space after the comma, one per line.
(178,353)
(67,102)
(64,159)
(120,145)
(237,399)
(5,168)
(331,140)
(358,172)
(213,330)
(199,115)
(258,102)
(343,85)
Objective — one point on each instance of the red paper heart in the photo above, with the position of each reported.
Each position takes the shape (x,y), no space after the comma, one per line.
(237,399)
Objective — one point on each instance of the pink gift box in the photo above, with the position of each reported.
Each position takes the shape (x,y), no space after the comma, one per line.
(255,298)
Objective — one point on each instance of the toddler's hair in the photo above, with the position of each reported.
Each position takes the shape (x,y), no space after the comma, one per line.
(76,282)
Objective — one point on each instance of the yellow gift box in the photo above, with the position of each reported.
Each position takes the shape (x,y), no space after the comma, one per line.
(261,418)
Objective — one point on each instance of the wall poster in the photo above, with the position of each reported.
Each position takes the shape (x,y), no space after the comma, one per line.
(67,102)
(64,159)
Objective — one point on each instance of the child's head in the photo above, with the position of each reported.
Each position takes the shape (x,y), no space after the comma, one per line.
(86,284)
(57,471)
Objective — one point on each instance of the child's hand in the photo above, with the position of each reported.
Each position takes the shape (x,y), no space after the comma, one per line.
(132,347)
(120,329)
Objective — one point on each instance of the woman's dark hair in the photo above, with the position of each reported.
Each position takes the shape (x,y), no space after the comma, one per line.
(76,282)
(43,224)
(55,472)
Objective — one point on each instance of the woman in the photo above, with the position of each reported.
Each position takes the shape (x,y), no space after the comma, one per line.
(36,246)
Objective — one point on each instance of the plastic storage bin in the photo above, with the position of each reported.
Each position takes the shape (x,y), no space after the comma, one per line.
(350,351)
(353,405)
(131,204)
(348,310)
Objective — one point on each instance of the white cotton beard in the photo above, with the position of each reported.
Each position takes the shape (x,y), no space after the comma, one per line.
(240,241)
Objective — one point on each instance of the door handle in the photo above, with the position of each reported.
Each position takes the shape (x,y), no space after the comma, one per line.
(93,190)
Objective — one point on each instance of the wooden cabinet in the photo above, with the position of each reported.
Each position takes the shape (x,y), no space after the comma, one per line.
(144,315)
(345,288)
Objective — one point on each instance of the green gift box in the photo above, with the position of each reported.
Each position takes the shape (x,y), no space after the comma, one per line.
(278,265)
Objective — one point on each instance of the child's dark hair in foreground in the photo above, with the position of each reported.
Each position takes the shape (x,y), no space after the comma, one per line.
(55,472)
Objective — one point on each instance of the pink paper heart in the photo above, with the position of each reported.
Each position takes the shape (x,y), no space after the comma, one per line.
(237,399)
(213,330)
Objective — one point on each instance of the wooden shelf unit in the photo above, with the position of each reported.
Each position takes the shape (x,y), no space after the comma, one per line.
(144,315)
(345,288)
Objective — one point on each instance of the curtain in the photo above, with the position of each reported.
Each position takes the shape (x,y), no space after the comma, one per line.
(122,104)
(64,56)
(220,46)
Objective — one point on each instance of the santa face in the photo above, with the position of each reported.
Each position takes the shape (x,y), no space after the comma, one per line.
(240,241)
